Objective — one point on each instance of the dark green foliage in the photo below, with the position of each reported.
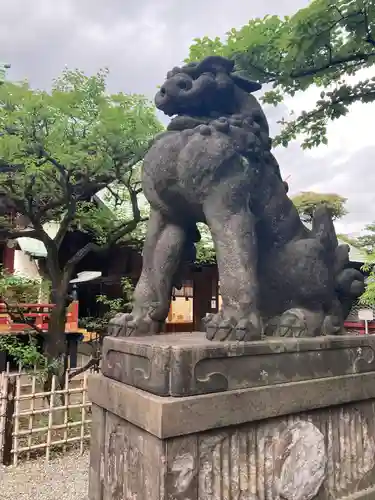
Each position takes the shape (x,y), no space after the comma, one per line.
(320,45)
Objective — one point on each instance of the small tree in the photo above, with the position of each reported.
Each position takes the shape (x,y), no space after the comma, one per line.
(367,240)
(307,202)
(319,45)
(59,148)
(368,297)
(3,71)
(15,289)
(205,247)
(111,307)
(367,243)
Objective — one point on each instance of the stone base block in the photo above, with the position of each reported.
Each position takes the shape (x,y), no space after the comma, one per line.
(176,417)
(293,441)
(189,364)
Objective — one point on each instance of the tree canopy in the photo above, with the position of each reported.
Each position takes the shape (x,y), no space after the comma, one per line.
(60,148)
(205,247)
(3,70)
(367,240)
(320,45)
(368,297)
(367,243)
(307,202)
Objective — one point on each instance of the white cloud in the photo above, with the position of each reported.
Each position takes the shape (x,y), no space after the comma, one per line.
(140,41)
(347,134)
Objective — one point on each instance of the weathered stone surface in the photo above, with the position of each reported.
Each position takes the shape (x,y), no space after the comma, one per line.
(273,461)
(178,416)
(187,364)
(214,165)
(299,461)
(98,436)
(182,462)
(326,454)
(132,461)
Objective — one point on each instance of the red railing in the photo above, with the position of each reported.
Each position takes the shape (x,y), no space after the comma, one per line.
(39,314)
(359,326)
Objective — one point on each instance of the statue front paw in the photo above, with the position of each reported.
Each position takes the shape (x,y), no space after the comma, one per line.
(219,327)
(126,325)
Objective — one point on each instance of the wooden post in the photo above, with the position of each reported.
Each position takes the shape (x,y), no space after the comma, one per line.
(8,421)
(50,418)
(8,259)
(203,286)
(3,399)
(66,409)
(16,415)
(72,340)
(32,408)
(83,413)
(3,361)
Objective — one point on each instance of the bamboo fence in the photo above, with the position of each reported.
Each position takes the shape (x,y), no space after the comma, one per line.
(35,421)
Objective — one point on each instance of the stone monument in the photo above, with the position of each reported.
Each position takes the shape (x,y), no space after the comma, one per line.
(272,400)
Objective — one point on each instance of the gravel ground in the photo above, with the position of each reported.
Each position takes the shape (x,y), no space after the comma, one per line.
(64,478)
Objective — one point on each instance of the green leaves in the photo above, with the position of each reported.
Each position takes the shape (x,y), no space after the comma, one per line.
(111,306)
(307,202)
(205,248)
(19,289)
(367,241)
(27,355)
(319,45)
(58,150)
(68,144)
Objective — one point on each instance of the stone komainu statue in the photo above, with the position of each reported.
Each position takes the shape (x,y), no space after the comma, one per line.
(214,165)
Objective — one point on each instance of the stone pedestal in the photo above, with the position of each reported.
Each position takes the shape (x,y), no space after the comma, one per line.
(176,417)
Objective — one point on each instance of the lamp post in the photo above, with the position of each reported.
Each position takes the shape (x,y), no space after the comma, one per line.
(3,71)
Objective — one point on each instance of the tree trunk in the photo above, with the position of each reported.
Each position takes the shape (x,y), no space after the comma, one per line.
(55,347)
(54,343)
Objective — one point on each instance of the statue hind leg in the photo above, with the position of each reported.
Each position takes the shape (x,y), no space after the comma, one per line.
(162,254)
(236,252)
(297,289)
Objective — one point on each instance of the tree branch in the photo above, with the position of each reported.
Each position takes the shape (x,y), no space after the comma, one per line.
(268,74)
(116,197)
(134,202)
(320,113)
(64,225)
(126,228)
(312,71)
(93,362)
(369,38)
(334,62)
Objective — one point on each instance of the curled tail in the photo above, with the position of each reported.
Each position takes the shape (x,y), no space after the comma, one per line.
(349,282)
(324,230)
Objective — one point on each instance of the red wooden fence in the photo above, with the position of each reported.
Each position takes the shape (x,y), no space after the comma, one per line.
(38,314)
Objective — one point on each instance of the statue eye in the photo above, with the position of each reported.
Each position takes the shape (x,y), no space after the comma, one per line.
(209,74)
(182,84)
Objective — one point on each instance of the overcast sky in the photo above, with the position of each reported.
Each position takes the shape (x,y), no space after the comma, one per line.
(140,40)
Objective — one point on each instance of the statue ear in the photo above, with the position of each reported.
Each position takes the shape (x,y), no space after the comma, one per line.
(211,63)
(245,83)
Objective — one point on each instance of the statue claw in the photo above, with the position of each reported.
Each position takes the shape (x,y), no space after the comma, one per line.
(220,328)
(126,325)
